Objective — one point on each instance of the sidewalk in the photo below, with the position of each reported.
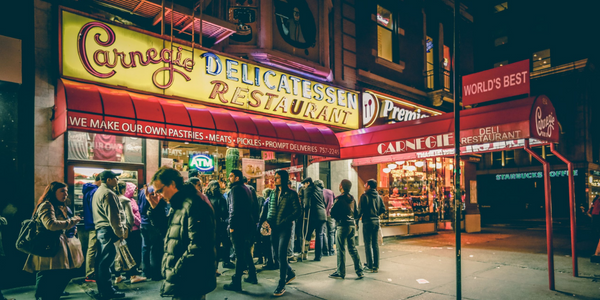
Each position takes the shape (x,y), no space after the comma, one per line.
(499,264)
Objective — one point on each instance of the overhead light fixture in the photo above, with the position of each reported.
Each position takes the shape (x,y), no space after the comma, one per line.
(392,166)
(419,164)
(438,165)
(386,170)
(450,166)
(412,168)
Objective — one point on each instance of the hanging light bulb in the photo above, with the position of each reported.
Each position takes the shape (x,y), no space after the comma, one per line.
(386,170)
(400,162)
(419,164)
(438,165)
(411,168)
(450,166)
(392,166)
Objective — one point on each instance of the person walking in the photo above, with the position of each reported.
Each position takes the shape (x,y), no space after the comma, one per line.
(3,222)
(219,204)
(152,235)
(241,227)
(329,226)
(89,230)
(370,208)
(125,191)
(284,208)
(316,212)
(111,227)
(345,212)
(54,273)
(189,261)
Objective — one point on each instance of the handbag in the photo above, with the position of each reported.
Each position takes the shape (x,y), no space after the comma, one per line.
(123,260)
(265,229)
(35,239)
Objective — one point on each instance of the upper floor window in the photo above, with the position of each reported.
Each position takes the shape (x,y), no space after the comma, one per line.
(501,7)
(385,28)
(541,60)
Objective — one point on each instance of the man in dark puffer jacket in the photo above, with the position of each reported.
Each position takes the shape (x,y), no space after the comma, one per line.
(188,264)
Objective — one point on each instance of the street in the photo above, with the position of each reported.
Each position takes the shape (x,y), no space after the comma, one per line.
(499,263)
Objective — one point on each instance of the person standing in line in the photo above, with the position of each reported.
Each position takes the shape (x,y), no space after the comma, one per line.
(316,212)
(152,235)
(89,232)
(3,223)
(371,207)
(54,273)
(189,261)
(219,204)
(329,226)
(253,238)
(594,213)
(345,212)
(197,183)
(125,191)
(111,227)
(265,240)
(241,227)
(284,208)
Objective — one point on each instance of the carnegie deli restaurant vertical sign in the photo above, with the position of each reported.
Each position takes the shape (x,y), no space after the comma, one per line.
(100,52)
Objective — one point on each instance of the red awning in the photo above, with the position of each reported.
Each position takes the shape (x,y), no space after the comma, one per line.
(87,107)
(529,118)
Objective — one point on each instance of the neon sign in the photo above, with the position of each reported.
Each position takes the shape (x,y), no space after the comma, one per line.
(533,175)
(202,162)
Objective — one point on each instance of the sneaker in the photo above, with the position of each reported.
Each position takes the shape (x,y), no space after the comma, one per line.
(292,259)
(367,269)
(360,275)
(375,270)
(279,291)
(304,256)
(336,275)
(91,278)
(290,278)
(119,279)
(136,279)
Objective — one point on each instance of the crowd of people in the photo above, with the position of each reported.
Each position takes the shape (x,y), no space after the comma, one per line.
(178,232)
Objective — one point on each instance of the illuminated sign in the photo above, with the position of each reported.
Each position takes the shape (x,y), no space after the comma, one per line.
(502,82)
(100,52)
(380,109)
(533,175)
(202,162)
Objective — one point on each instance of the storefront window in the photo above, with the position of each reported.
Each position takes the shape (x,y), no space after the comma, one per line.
(87,175)
(105,147)
(215,163)
(416,190)
(541,60)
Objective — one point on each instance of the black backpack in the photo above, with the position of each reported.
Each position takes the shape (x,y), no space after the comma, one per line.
(35,239)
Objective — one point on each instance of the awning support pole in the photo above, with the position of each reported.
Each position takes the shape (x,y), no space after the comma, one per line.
(571,208)
(547,192)
(457,93)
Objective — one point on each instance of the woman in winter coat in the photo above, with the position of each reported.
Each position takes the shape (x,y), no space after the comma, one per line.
(54,273)
(126,190)
(219,204)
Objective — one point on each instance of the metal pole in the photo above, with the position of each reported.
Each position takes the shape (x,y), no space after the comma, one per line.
(547,192)
(571,208)
(457,191)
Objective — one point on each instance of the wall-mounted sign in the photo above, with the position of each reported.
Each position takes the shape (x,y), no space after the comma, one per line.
(110,54)
(202,162)
(502,82)
(533,175)
(381,109)
(268,155)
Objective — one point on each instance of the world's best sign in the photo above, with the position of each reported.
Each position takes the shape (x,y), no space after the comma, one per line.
(96,51)
(497,83)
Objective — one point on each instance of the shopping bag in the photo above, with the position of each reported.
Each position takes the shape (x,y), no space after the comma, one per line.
(123,260)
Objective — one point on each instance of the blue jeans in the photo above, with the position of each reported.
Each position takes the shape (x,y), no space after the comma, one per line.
(290,249)
(280,238)
(105,259)
(152,252)
(242,243)
(345,236)
(370,234)
(329,236)
(317,227)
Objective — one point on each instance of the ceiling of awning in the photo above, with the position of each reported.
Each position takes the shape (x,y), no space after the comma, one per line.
(91,108)
(180,16)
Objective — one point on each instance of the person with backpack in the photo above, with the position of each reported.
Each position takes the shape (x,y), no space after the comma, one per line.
(54,273)
(370,208)
(345,212)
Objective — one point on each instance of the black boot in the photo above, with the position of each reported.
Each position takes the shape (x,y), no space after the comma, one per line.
(235,285)
(251,279)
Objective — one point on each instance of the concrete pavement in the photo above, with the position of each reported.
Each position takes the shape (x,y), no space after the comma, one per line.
(499,263)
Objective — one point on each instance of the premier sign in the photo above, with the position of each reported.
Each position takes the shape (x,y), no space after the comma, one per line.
(382,109)
(502,82)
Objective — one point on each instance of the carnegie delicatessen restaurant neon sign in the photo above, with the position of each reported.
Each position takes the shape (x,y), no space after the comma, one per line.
(100,52)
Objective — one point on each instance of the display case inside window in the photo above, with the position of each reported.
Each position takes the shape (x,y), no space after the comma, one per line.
(83,175)
(415,190)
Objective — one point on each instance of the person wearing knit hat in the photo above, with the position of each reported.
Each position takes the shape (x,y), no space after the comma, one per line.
(345,212)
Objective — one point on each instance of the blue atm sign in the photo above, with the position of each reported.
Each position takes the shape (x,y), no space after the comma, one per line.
(202,162)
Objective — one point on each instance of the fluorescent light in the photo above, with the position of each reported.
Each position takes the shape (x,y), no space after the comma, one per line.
(392,166)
